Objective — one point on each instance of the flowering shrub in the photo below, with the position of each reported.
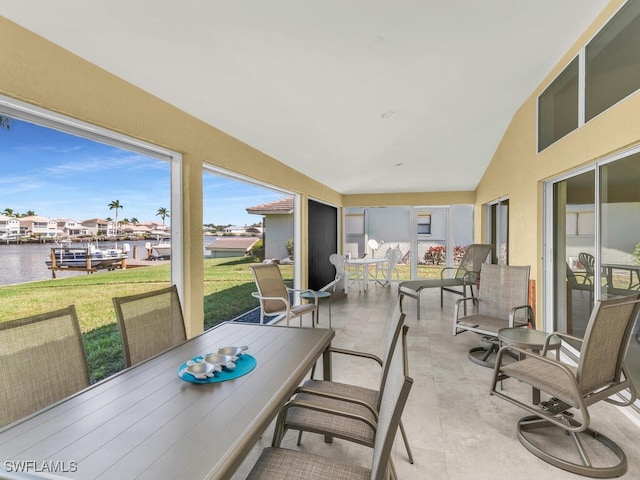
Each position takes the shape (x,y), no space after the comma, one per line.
(437,255)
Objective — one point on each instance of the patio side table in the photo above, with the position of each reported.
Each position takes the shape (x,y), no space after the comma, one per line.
(321,294)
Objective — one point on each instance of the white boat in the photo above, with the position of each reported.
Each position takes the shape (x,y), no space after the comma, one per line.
(85,257)
(162,249)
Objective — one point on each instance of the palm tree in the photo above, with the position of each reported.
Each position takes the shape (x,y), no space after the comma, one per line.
(30,213)
(163,213)
(116,205)
(5,122)
(134,220)
(8,212)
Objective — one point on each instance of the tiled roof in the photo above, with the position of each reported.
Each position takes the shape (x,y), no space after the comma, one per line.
(233,243)
(282,206)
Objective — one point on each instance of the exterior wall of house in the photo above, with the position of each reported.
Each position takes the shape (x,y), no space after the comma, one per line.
(518,171)
(278,230)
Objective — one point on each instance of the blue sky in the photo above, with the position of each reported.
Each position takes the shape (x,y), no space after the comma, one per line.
(56,174)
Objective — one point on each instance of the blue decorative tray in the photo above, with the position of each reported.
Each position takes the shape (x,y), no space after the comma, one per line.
(244,364)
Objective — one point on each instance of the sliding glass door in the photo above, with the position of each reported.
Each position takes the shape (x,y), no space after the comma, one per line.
(592,248)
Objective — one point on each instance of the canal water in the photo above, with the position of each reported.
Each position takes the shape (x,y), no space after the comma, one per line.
(26,262)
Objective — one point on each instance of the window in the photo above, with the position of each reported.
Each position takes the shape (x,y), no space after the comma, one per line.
(612,69)
(424,224)
(611,73)
(58,177)
(558,107)
(354,224)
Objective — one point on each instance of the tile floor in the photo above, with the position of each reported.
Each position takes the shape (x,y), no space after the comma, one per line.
(456,429)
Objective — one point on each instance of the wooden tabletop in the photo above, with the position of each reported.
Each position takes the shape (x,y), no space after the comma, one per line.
(146,422)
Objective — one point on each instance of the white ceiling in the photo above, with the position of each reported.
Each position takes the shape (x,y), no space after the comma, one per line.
(309,82)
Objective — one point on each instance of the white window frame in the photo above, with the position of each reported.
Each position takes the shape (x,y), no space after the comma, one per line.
(30,113)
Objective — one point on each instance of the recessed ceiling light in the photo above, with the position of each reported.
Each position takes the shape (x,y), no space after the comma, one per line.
(387,114)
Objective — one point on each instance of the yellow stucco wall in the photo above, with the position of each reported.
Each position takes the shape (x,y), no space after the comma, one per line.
(40,73)
(518,171)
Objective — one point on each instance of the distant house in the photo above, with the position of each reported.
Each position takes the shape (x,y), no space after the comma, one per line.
(71,228)
(136,230)
(225,247)
(234,230)
(37,226)
(278,226)
(98,227)
(9,226)
(156,230)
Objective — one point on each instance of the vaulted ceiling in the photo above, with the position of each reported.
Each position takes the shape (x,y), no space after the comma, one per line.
(364,96)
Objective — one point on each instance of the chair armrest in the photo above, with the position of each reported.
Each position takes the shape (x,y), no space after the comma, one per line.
(564,337)
(333,396)
(285,301)
(306,290)
(355,353)
(530,319)
(442,272)
(460,301)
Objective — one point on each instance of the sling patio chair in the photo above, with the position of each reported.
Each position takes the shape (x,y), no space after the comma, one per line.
(150,323)
(465,275)
(327,407)
(42,361)
(275,296)
(558,431)
(502,302)
(280,463)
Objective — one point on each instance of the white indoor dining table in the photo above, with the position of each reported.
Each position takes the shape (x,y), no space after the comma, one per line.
(363,264)
(145,422)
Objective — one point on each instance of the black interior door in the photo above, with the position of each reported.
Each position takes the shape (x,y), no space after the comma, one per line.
(323,241)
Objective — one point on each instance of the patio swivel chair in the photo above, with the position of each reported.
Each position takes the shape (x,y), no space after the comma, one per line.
(149,323)
(465,275)
(42,361)
(280,463)
(502,302)
(275,296)
(561,425)
(328,407)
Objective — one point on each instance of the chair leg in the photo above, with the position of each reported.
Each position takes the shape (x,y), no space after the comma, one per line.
(406,442)
(534,423)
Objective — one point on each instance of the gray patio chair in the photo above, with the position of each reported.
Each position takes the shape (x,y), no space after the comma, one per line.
(275,296)
(307,411)
(42,361)
(149,323)
(502,302)
(279,463)
(580,282)
(465,275)
(600,374)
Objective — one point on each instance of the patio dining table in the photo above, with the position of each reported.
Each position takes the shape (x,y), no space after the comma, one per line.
(146,422)
(364,263)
